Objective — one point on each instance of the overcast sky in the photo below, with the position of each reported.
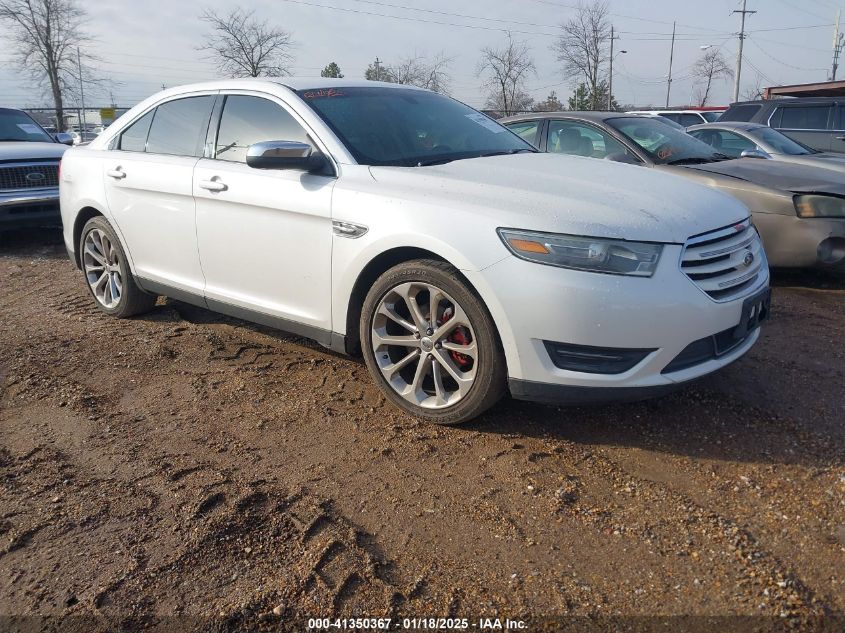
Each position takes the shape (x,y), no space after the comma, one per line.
(146,44)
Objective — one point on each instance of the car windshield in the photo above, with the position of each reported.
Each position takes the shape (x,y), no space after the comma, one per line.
(781,143)
(407,127)
(17,126)
(664,144)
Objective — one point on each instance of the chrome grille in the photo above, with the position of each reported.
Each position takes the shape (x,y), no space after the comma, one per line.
(726,262)
(29,176)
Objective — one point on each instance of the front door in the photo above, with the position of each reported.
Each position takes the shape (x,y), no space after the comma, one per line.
(264,235)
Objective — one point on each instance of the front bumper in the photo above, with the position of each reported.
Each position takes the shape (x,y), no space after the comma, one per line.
(35,207)
(793,242)
(533,304)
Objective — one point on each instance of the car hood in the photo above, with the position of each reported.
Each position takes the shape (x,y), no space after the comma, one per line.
(567,194)
(27,150)
(777,175)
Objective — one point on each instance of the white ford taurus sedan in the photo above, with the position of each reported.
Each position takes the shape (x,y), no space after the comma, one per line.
(403,225)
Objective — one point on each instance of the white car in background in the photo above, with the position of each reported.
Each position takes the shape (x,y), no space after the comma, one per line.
(684,118)
(401,224)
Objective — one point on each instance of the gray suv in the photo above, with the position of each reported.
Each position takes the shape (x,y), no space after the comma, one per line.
(818,122)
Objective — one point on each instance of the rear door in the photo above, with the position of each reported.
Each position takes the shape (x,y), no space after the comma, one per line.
(264,235)
(806,123)
(148,179)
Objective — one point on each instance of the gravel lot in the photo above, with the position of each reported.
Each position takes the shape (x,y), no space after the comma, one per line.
(184,463)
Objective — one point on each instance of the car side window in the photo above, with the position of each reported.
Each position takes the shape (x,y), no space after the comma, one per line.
(134,138)
(526,130)
(247,120)
(580,139)
(804,117)
(179,127)
(672,116)
(727,143)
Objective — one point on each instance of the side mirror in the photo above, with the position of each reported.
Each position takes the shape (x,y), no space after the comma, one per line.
(754,153)
(64,138)
(284,155)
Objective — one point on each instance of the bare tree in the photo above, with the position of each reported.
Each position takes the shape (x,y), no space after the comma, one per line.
(418,70)
(46,35)
(710,66)
(244,46)
(506,70)
(755,91)
(582,46)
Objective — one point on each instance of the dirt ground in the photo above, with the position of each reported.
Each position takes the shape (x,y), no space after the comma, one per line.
(184,464)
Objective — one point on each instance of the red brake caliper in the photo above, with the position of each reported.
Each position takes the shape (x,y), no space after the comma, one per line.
(459,335)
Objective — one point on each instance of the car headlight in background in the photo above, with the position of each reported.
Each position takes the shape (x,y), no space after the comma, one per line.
(816,206)
(592,254)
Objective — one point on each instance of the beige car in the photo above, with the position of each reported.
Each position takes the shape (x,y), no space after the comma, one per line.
(798,210)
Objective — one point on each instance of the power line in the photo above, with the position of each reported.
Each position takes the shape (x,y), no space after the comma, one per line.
(780,61)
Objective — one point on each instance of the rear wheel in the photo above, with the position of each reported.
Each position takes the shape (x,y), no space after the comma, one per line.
(107,272)
(430,344)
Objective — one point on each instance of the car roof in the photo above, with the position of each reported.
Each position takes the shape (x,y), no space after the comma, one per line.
(727,125)
(667,111)
(293,83)
(568,114)
(789,100)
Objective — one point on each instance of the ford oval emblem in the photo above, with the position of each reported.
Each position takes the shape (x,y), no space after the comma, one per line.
(748,259)
(35,176)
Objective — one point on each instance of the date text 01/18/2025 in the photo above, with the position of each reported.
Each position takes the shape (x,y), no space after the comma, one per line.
(418,624)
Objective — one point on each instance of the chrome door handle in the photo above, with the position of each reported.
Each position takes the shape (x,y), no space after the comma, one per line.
(116,173)
(212,185)
(840,138)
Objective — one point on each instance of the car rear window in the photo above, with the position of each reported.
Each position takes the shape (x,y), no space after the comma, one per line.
(179,127)
(690,119)
(741,112)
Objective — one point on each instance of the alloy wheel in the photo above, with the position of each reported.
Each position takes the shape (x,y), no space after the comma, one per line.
(424,345)
(102,268)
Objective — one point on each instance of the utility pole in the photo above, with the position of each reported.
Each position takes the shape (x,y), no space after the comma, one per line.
(81,92)
(377,64)
(743,13)
(838,38)
(610,80)
(671,57)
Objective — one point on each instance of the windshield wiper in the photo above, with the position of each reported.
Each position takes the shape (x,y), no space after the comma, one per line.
(694,160)
(437,161)
(442,160)
(507,152)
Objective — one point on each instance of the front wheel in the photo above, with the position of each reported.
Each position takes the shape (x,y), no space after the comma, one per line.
(430,343)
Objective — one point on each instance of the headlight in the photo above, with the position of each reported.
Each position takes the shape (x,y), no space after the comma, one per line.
(815,206)
(593,254)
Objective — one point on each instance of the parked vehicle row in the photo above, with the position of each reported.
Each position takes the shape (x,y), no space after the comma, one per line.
(798,209)
(394,222)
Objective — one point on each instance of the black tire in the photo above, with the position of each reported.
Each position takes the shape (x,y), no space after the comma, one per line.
(490,382)
(132,300)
